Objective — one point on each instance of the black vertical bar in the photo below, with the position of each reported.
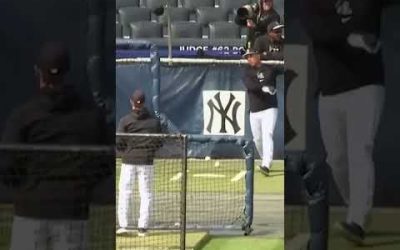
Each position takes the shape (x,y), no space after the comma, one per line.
(183,193)
(248,148)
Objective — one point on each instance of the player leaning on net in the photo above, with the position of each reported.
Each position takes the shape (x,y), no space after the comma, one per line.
(260,81)
(137,160)
(52,190)
(346,48)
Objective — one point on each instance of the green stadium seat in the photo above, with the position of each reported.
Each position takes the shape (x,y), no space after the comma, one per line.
(127,15)
(176,14)
(206,15)
(118,30)
(146,29)
(194,4)
(127,3)
(186,30)
(152,4)
(224,30)
(230,5)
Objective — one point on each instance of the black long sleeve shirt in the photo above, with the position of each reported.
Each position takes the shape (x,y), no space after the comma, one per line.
(54,185)
(269,50)
(342,67)
(138,150)
(254,79)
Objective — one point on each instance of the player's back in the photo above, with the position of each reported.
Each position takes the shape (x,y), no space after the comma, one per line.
(54,185)
(141,149)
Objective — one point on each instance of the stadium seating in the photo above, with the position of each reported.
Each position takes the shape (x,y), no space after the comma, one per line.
(186,30)
(194,4)
(206,15)
(231,5)
(176,14)
(127,15)
(224,30)
(146,29)
(118,30)
(279,7)
(191,20)
(152,4)
(127,3)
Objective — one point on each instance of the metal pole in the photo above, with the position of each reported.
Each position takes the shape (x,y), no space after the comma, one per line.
(194,61)
(249,196)
(169,32)
(183,192)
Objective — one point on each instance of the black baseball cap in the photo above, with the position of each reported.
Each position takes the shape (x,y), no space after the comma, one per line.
(250,51)
(274,26)
(138,97)
(54,59)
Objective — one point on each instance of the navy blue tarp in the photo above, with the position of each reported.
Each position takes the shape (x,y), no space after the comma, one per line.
(181,94)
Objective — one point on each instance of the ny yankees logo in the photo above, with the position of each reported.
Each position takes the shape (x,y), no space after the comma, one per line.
(260,76)
(344,9)
(232,105)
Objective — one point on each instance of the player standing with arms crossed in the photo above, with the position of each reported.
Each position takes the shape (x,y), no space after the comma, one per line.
(137,160)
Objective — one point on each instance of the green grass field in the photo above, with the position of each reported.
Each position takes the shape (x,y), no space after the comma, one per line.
(101,227)
(156,240)
(227,169)
(200,173)
(204,176)
(244,243)
(209,177)
(274,184)
(383,232)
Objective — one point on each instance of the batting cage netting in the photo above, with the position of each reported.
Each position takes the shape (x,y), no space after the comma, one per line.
(168,192)
(48,197)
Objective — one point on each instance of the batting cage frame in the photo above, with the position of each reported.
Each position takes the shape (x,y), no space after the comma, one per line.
(244,142)
(182,166)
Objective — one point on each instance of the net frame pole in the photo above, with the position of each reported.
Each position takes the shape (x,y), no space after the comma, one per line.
(248,148)
(183,192)
(169,31)
(54,148)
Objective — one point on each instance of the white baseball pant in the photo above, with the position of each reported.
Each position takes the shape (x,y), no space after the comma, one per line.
(39,234)
(348,125)
(262,127)
(126,194)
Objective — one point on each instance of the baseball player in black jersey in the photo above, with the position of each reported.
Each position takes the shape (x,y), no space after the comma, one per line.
(260,81)
(346,48)
(137,164)
(270,45)
(52,208)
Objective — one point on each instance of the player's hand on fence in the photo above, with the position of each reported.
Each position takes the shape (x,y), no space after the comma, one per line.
(367,42)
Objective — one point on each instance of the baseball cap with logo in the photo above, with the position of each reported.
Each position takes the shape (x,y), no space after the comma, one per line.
(250,51)
(54,59)
(273,26)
